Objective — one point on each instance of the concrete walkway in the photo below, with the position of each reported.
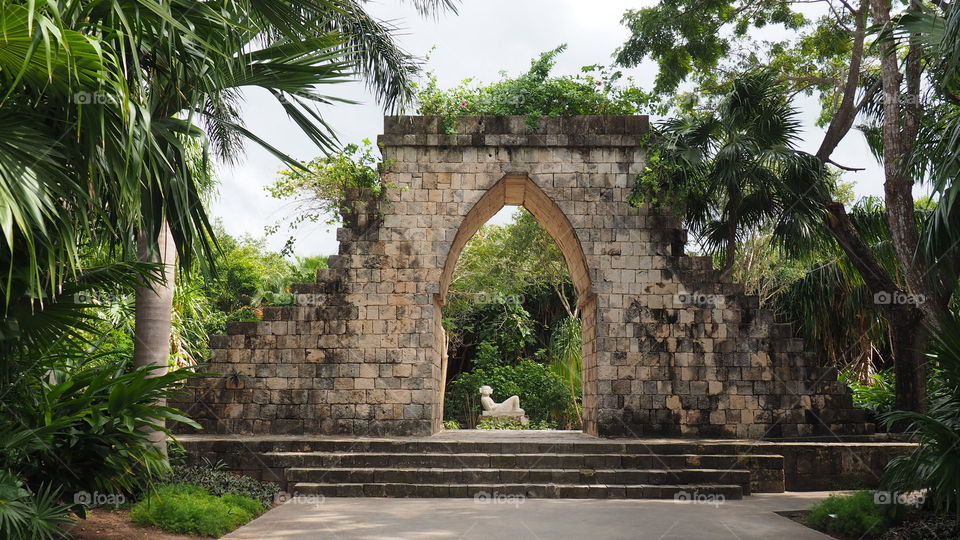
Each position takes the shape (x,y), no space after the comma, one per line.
(554,519)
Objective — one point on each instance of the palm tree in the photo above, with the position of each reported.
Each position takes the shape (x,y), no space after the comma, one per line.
(732,166)
(101,97)
(104,98)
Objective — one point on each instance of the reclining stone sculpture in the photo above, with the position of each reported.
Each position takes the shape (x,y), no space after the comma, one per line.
(509,408)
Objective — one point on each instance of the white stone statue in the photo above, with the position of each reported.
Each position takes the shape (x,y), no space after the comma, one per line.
(510,408)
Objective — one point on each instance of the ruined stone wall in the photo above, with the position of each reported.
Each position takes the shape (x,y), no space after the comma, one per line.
(669,347)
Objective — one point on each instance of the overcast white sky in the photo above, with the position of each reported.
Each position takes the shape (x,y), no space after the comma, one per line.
(487,36)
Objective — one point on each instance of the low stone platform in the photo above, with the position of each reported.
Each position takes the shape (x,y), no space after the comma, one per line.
(545,464)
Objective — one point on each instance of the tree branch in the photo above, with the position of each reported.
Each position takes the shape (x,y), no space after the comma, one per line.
(844,167)
(843,119)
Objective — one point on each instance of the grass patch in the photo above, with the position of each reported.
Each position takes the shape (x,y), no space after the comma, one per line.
(856,515)
(187,509)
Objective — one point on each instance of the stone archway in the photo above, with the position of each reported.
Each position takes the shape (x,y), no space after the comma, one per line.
(516,189)
(674,348)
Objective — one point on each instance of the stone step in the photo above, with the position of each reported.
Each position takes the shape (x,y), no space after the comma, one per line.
(457,476)
(529,461)
(494,447)
(507,493)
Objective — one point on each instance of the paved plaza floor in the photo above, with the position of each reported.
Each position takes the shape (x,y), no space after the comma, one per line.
(509,518)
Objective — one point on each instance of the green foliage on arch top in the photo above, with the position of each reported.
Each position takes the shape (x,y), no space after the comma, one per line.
(534,94)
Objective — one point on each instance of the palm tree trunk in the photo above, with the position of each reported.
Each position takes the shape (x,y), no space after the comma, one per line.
(733,222)
(154,306)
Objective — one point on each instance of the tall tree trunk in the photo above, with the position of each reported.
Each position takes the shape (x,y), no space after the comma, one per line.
(154,308)
(901,122)
(904,320)
(908,340)
(899,136)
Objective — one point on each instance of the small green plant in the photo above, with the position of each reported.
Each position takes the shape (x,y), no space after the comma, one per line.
(492,422)
(26,515)
(856,514)
(877,396)
(488,422)
(216,481)
(451,424)
(189,509)
(320,191)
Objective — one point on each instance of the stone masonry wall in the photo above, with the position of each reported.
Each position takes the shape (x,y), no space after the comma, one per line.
(669,348)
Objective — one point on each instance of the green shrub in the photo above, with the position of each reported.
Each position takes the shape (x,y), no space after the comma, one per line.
(26,515)
(451,424)
(187,509)
(85,427)
(488,356)
(535,94)
(856,514)
(252,506)
(216,481)
(543,395)
(491,422)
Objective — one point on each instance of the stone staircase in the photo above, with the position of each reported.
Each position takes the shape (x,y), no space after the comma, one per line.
(528,464)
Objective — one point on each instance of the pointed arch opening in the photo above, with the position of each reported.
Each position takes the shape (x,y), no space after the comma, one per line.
(521,190)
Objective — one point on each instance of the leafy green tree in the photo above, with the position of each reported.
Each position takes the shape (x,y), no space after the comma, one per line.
(711,45)
(246,270)
(836,312)
(506,261)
